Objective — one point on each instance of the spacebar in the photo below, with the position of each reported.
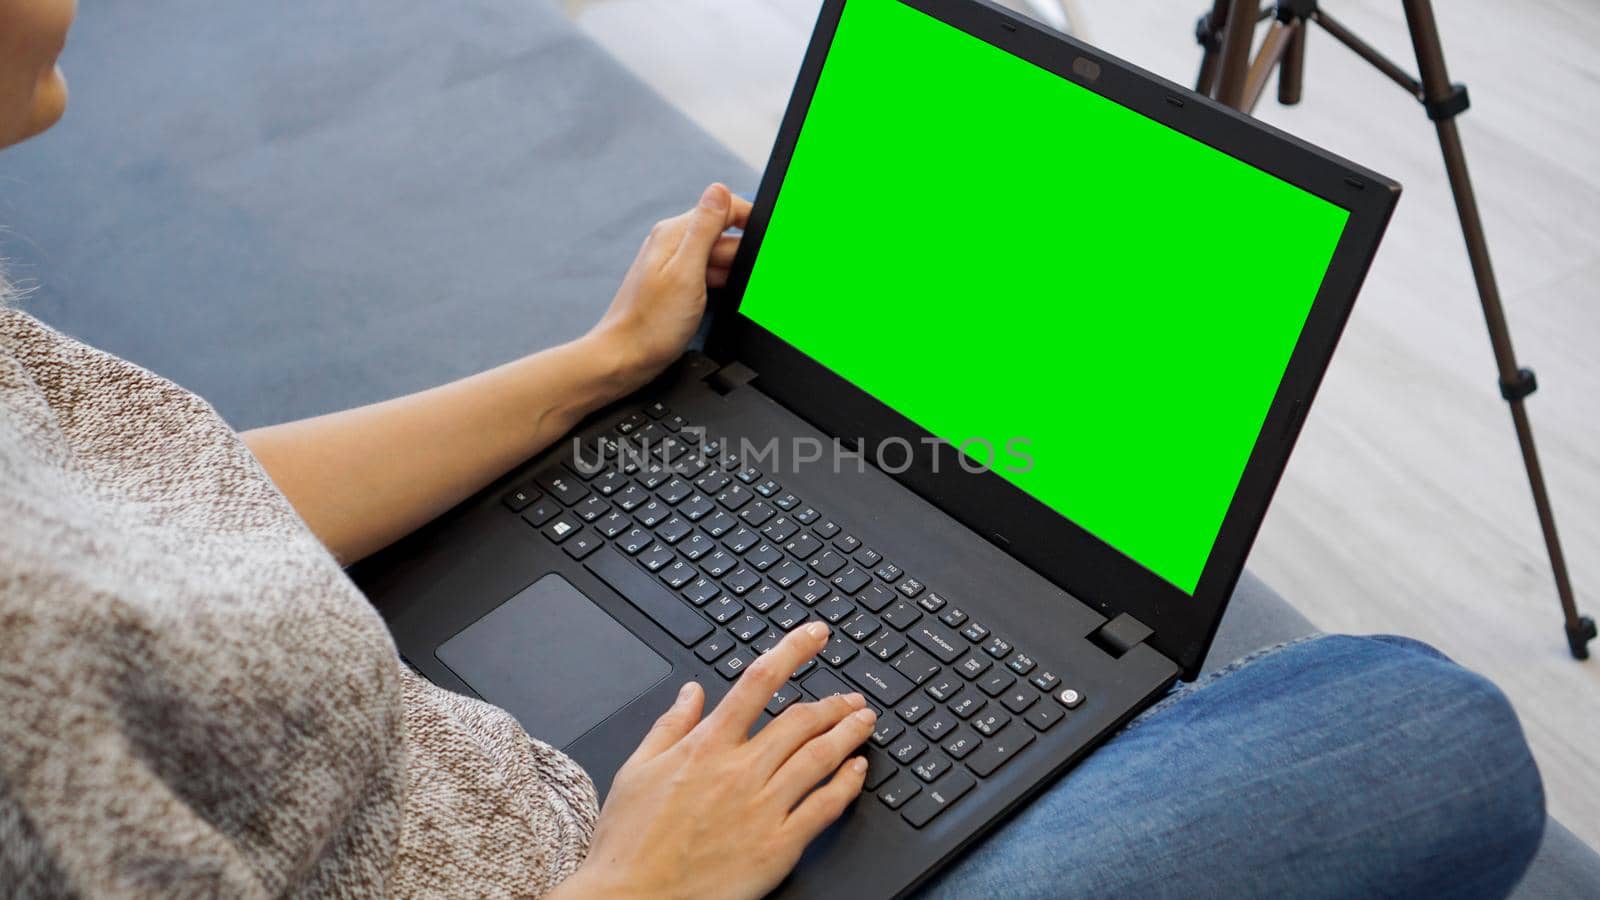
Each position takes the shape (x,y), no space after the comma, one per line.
(661,605)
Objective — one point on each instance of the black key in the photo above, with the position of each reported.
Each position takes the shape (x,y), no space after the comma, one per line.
(757,514)
(910,587)
(1045,681)
(582,545)
(675,490)
(561,527)
(695,508)
(655,557)
(997,682)
(520,498)
(789,615)
(675,422)
(1042,716)
(657,410)
(631,424)
(713,647)
(677,573)
(937,798)
(812,589)
(712,481)
(953,617)
(701,590)
(912,711)
(734,496)
(609,483)
(674,529)
(889,572)
(631,497)
(747,627)
(880,768)
(719,563)
(907,749)
(669,448)
(966,704)
(780,529)
(917,666)
(827,529)
(1069,697)
(972,666)
(748,475)
(869,557)
(887,646)
(961,743)
(930,767)
(612,524)
(563,487)
(932,602)
(998,750)
(888,729)
(849,543)
(803,547)
(768,488)
(689,466)
(652,513)
(881,682)
(781,698)
(901,787)
(1018,699)
(767,641)
(1021,664)
(718,523)
(735,663)
(805,667)
(997,648)
(989,723)
(763,598)
(875,597)
(650,598)
(541,512)
(945,645)
(786,574)
(741,580)
(635,539)
(823,684)
(838,650)
(902,615)
(974,632)
(860,626)
(786,501)
(834,609)
(944,688)
(807,515)
(850,580)
(695,546)
(741,539)
(724,610)
(763,556)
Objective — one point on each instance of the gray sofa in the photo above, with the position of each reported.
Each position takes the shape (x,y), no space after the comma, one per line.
(299,206)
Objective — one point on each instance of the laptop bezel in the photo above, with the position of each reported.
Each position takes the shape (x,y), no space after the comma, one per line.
(1037,536)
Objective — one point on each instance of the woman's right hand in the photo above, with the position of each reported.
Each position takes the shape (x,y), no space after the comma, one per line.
(703,810)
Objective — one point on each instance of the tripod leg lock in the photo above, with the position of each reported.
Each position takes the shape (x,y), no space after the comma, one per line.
(1579,635)
(1208,35)
(1524,384)
(1294,10)
(1449,106)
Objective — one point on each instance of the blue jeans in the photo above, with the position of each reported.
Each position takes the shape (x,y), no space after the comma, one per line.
(1329,767)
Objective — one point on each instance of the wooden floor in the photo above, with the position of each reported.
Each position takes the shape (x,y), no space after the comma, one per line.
(1405,508)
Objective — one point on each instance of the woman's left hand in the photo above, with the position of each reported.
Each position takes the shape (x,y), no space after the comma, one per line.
(663,296)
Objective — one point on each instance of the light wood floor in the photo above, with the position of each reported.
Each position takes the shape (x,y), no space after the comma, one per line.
(1405,508)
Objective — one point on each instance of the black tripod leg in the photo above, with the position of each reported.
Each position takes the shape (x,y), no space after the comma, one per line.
(1208,32)
(1443,102)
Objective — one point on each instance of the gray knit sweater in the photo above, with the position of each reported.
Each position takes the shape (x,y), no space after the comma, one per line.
(195,700)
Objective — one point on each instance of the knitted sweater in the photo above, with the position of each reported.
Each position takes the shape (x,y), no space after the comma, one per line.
(195,700)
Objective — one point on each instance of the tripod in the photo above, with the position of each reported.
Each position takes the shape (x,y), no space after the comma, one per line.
(1229,75)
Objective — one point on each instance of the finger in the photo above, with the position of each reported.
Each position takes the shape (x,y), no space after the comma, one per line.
(724,250)
(705,223)
(798,724)
(813,760)
(738,710)
(717,278)
(828,802)
(740,213)
(676,722)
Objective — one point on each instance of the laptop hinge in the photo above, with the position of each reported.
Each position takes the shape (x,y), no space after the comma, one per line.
(730,378)
(1121,634)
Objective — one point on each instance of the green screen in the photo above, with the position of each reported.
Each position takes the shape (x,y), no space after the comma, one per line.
(998,253)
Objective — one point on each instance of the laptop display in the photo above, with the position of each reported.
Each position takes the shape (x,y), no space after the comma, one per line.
(1096,306)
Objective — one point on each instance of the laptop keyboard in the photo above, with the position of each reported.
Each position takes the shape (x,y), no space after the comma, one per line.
(726,560)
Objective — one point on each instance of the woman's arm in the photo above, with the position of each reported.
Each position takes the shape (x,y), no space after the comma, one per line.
(365,477)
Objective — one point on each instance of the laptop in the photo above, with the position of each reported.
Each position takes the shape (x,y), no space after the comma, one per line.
(1011,359)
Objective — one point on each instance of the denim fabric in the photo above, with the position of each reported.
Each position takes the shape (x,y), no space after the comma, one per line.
(1331,766)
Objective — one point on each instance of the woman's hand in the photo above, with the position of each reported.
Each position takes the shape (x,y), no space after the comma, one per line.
(701,810)
(663,296)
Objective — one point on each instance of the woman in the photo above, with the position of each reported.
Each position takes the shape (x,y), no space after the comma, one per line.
(196,700)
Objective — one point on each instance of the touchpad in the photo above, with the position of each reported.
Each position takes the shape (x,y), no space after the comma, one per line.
(553,659)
